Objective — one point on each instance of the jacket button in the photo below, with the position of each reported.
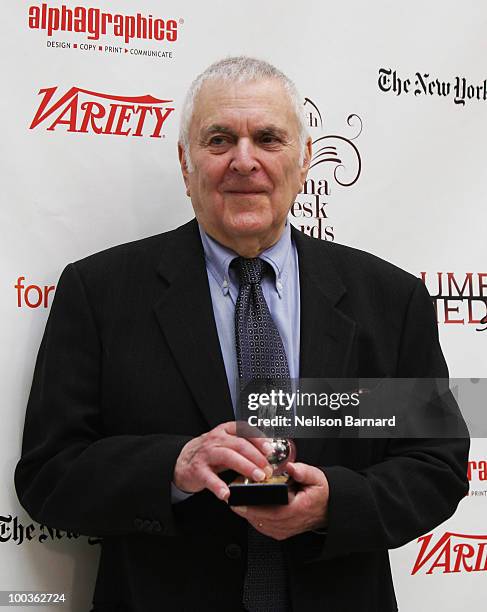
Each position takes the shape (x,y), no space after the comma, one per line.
(233,551)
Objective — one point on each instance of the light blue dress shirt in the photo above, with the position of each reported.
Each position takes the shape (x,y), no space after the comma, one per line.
(281,292)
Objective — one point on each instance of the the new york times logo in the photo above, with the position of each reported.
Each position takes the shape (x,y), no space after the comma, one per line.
(82,111)
(336,162)
(425,84)
(96,23)
(13,530)
(459,299)
(451,554)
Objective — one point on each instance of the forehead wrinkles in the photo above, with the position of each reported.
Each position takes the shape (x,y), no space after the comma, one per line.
(252,105)
(245,127)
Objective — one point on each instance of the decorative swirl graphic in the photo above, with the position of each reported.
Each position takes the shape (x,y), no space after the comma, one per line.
(335,149)
(327,152)
(350,120)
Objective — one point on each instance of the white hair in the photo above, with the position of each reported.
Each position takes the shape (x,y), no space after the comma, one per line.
(240,69)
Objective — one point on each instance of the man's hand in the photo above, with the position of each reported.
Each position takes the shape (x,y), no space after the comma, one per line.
(220,449)
(307,509)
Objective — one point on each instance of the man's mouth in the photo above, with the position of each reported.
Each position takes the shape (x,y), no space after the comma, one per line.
(245,191)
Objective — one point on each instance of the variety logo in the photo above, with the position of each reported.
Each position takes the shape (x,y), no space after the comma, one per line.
(96,23)
(453,553)
(459,299)
(336,161)
(81,110)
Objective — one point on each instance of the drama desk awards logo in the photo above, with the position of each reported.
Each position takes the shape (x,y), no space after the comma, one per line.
(84,111)
(336,163)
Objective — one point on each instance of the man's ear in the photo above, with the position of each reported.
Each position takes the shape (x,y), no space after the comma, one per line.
(308,152)
(184,167)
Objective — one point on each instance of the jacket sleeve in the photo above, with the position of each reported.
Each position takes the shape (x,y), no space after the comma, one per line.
(71,475)
(419,482)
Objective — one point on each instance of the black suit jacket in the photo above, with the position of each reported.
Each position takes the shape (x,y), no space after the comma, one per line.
(130,369)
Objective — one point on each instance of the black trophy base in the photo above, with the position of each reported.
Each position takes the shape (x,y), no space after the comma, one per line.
(270,492)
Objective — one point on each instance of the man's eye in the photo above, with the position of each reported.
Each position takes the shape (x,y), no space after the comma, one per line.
(217,140)
(269,139)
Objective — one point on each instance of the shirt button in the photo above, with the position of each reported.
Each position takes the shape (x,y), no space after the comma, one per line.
(233,551)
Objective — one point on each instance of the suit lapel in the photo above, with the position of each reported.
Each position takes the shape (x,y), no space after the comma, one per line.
(327,334)
(185,316)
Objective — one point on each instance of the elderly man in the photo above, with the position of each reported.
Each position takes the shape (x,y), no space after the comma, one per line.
(130,430)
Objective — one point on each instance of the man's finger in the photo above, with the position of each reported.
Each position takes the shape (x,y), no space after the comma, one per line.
(216,485)
(229,427)
(251,451)
(251,435)
(263,444)
(222,458)
(305,474)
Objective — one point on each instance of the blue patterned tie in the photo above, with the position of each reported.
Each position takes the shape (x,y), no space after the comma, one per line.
(260,355)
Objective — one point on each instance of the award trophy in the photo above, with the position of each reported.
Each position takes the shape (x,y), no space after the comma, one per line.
(271,491)
(272,423)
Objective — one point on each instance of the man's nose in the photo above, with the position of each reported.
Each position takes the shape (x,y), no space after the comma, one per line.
(244,160)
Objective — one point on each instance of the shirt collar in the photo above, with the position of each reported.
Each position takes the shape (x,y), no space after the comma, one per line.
(218,259)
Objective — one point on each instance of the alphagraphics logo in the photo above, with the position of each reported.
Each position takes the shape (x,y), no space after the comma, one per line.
(453,553)
(477,473)
(477,469)
(108,33)
(96,23)
(336,161)
(84,111)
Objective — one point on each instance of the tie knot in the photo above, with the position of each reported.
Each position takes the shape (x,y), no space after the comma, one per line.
(250,271)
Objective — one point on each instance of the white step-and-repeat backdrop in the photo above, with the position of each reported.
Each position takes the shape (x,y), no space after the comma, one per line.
(397,93)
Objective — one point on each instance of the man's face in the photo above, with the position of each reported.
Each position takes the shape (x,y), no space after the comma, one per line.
(244,145)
